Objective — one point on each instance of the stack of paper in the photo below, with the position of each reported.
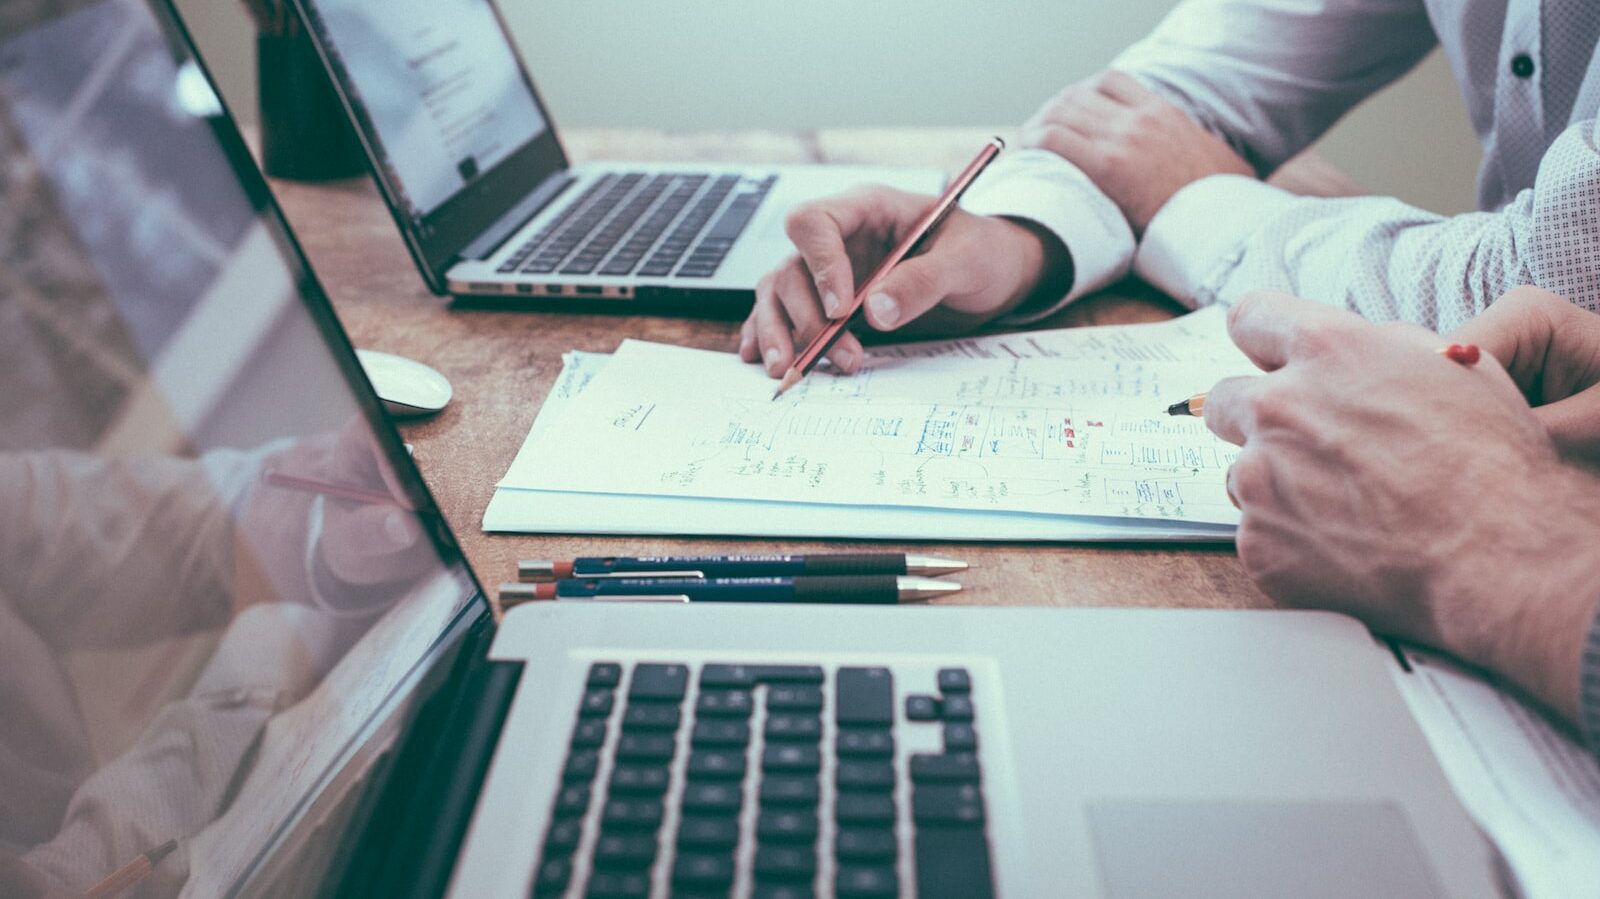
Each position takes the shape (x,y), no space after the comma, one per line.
(1049,435)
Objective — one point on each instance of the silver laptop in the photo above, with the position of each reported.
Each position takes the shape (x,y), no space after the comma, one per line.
(468,158)
(241,654)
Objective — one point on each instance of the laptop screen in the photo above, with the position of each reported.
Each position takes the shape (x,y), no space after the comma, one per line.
(440,86)
(451,123)
(219,572)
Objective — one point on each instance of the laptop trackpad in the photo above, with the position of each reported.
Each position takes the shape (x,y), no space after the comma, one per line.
(1234,849)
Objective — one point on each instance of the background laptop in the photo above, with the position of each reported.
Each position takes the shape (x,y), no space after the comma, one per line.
(468,159)
(304,695)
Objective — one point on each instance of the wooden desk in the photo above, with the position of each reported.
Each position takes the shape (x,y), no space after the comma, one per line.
(503,363)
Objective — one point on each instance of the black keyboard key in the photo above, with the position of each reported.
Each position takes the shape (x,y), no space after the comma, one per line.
(703,869)
(646,747)
(579,267)
(958,767)
(624,852)
(554,873)
(656,269)
(957,708)
(791,757)
(563,835)
(922,708)
(605,674)
(619,885)
(619,265)
(712,797)
(689,271)
(631,814)
(790,789)
(640,780)
(734,219)
(780,862)
(589,733)
(794,698)
(720,733)
(864,696)
(954,680)
(595,704)
(953,862)
(864,744)
(805,728)
(582,765)
(572,801)
(864,808)
(866,844)
(659,682)
(712,764)
(867,881)
(787,825)
(771,890)
(947,804)
(650,716)
(859,775)
(788,674)
(723,676)
(708,832)
(960,736)
(725,703)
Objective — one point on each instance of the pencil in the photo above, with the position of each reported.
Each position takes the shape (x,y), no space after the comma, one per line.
(131,873)
(921,231)
(1462,354)
(274,478)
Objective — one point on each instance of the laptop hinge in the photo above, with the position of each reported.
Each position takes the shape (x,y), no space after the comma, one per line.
(517,216)
(419,822)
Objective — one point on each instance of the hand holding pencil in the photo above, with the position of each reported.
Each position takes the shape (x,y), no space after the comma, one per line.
(974,269)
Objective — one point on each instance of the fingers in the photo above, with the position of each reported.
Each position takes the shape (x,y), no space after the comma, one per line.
(1550,347)
(1122,88)
(1274,328)
(772,329)
(910,290)
(819,231)
(1574,425)
(1230,408)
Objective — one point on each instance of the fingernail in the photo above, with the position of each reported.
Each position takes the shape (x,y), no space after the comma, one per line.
(397,527)
(884,309)
(772,357)
(830,304)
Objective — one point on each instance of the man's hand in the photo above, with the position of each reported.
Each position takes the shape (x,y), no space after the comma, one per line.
(1381,479)
(1551,348)
(1136,147)
(975,268)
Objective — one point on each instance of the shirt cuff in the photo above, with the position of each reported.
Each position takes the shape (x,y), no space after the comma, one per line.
(1041,187)
(1589,687)
(1198,237)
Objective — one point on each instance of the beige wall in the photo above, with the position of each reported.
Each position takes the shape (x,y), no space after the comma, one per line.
(736,63)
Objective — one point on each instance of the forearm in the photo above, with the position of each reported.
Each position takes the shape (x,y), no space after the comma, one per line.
(1270,76)
(1223,236)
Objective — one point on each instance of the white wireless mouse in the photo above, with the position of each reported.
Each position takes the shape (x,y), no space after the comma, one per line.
(406,387)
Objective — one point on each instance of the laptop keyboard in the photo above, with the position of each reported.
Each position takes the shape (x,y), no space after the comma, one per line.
(678,224)
(686,784)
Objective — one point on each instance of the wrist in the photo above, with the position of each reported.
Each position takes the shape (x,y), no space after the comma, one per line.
(1043,265)
(1533,596)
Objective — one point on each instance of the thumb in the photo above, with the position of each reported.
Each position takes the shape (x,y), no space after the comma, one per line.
(908,291)
(1574,425)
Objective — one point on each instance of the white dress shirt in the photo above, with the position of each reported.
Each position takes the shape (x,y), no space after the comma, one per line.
(1269,77)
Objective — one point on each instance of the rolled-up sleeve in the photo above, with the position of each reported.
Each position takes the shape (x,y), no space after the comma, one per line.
(1270,76)
(1224,235)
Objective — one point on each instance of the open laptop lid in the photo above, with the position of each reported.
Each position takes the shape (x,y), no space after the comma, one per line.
(454,130)
(195,652)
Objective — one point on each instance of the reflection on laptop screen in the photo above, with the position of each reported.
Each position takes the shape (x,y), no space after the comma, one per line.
(192,640)
(439,84)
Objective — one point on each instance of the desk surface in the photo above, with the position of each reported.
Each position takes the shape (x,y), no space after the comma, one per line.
(503,363)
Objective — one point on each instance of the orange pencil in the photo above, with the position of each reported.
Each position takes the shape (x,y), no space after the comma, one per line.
(924,227)
(131,873)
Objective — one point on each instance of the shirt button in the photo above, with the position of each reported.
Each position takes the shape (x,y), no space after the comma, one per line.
(1522,65)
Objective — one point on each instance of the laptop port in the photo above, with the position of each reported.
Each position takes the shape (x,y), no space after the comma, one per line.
(590,291)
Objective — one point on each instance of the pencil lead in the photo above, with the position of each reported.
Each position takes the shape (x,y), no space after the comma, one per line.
(160,852)
(1179,408)
(789,380)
